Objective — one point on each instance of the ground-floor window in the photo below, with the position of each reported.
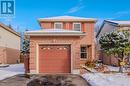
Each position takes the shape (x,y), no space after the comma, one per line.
(83,52)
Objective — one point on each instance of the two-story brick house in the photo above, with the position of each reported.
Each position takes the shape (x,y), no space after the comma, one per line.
(62,45)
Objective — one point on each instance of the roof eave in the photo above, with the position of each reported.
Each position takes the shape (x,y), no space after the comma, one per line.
(54,34)
(10,30)
(124,25)
(110,22)
(53,20)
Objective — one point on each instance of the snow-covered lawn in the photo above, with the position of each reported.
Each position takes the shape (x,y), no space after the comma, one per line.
(100,79)
(12,70)
(112,79)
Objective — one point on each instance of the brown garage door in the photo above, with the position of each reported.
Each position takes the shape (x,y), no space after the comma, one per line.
(54,59)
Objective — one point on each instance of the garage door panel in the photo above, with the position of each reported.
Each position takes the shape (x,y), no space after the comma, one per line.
(54,59)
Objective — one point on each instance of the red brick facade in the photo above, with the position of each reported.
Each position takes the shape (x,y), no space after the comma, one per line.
(66,25)
(75,42)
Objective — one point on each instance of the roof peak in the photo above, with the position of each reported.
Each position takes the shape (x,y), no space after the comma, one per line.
(66,17)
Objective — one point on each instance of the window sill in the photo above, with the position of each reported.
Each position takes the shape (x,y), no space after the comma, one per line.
(82,59)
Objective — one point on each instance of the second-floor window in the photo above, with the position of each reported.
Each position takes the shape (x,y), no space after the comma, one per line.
(58,25)
(77,26)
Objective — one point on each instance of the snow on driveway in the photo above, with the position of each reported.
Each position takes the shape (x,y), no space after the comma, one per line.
(12,70)
(100,79)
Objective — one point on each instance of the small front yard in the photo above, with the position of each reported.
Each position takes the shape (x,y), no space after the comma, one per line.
(14,76)
(100,79)
(115,44)
(108,78)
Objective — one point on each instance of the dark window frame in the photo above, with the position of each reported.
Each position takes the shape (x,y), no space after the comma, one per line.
(83,52)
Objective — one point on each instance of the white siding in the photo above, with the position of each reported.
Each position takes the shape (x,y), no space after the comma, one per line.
(8,39)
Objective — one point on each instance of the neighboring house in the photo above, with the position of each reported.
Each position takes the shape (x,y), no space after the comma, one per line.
(9,45)
(109,26)
(63,44)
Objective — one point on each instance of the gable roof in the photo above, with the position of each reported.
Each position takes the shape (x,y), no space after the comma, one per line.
(120,23)
(114,23)
(9,29)
(66,18)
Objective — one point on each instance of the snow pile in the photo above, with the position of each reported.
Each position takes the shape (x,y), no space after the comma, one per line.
(100,79)
(111,68)
(11,71)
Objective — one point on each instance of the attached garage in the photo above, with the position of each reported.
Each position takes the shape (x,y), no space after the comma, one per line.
(62,45)
(54,59)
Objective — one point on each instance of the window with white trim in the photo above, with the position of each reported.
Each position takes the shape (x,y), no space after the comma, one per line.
(77,26)
(83,52)
(58,25)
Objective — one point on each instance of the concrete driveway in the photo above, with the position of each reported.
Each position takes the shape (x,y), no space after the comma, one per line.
(45,80)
